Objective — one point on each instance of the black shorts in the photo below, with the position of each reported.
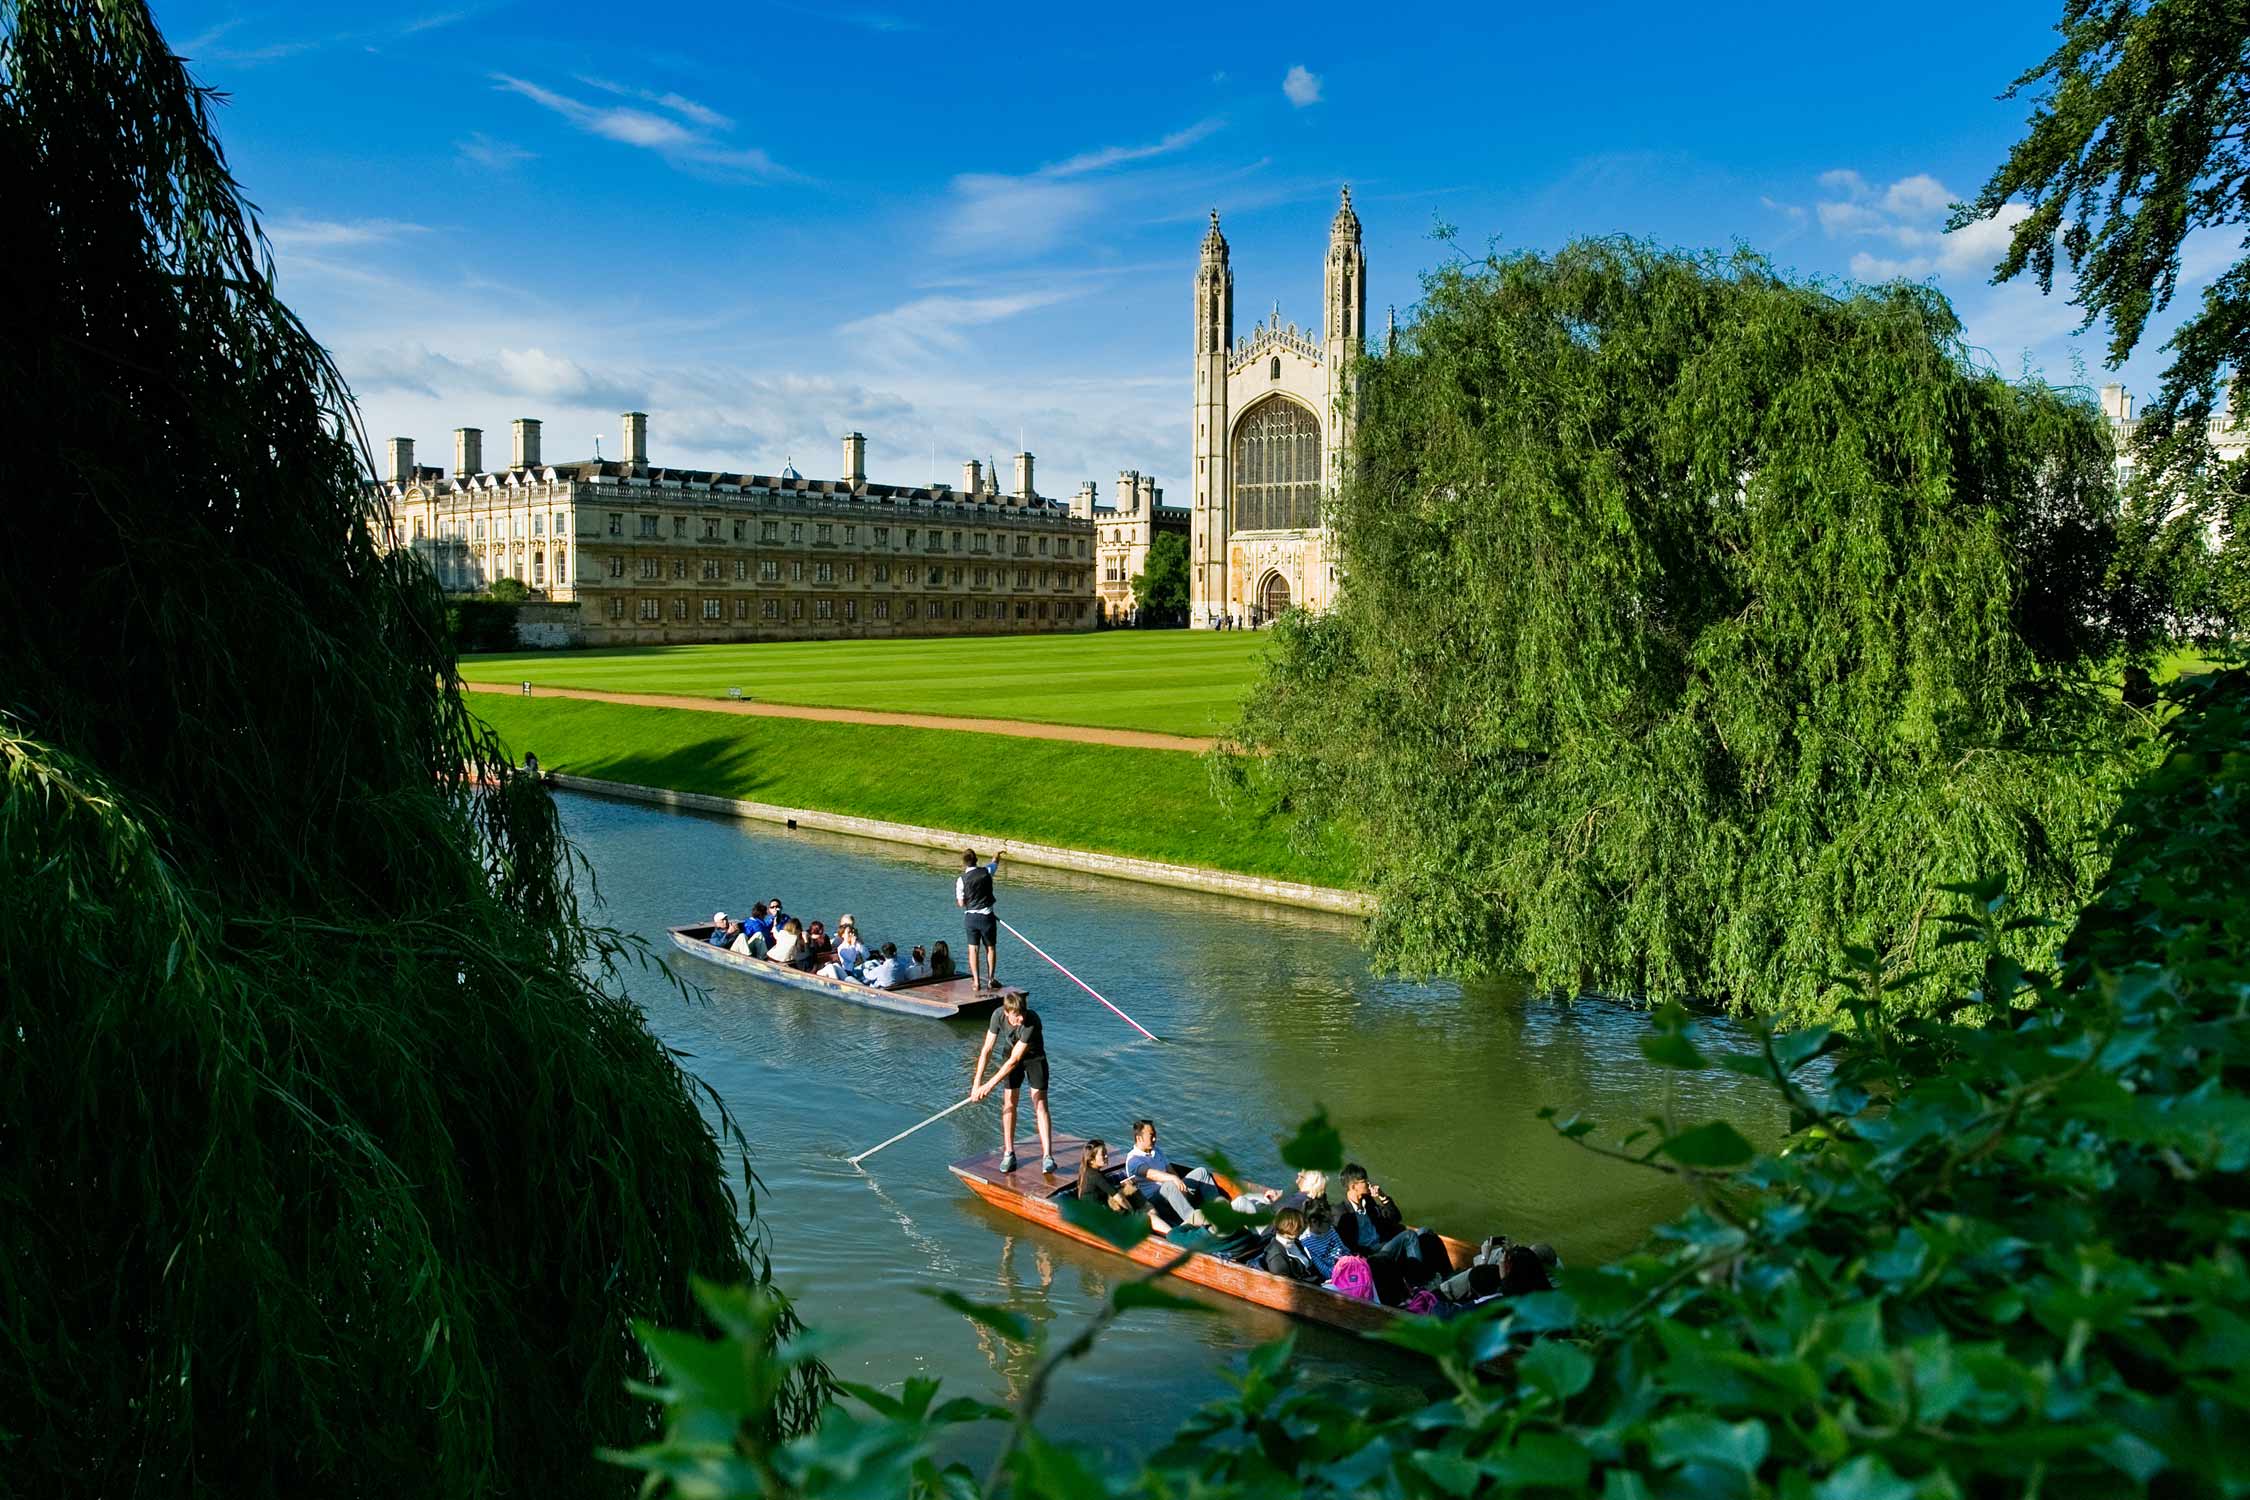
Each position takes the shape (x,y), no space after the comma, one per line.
(1032,1071)
(984,928)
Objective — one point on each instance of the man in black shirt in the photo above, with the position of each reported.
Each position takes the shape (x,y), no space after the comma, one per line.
(1022,1045)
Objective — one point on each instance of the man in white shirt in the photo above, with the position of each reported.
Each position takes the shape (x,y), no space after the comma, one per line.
(884,971)
(972,892)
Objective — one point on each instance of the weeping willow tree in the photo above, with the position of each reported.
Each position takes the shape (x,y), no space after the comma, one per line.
(1698,627)
(332,1160)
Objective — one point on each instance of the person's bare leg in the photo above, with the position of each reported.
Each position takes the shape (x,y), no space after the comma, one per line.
(1008,1121)
(992,965)
(976,975)
(1046,1125)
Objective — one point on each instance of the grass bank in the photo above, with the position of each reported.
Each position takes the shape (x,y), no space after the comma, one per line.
(1170,681)
(1153,804)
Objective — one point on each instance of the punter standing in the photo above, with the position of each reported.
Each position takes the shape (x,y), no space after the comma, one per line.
(972,892)
(1016,1034)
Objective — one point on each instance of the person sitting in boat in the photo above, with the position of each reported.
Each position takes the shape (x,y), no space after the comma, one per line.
(918,966)
(941,961)
(775,919)
(786,942)
(1178,1192)
(1370,1224)
(756,921)
(1286,1254)
(1320,1239)
(722,930)
(882,970)
(850,951)
(749,940)
(817,943)
(1121,1197)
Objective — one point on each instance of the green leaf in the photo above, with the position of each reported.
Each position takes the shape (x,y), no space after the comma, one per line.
(1315,1147)
(1122,1230)
(1672,1049)
(1560,1370)
(1543,1460)
(1131,1294)
(1008,1324)
(882,1403)
(1713,1146)
(1448,1470)
(1697,1437)
(1866,1477)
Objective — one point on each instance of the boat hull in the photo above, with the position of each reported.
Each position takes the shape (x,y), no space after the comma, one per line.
(1026,1193)
(939,999)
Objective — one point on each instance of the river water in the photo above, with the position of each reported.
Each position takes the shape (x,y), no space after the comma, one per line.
(1267,1013)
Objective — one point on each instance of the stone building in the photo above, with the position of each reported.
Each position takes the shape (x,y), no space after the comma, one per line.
(1123,533)
(2229,435)
(654,555)
(1273,418)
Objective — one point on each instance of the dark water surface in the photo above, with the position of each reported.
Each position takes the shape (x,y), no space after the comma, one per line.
(1267,1012)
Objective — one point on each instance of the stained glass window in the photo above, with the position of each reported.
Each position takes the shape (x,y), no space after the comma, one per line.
(1276,468)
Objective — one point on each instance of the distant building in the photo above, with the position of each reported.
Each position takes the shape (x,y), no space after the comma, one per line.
(1122,535)
(2230,437)
(1273,419)
(652,555)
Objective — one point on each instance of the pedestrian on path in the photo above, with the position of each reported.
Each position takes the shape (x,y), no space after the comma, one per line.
(972,892)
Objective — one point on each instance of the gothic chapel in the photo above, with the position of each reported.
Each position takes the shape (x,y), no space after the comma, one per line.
(1273,416)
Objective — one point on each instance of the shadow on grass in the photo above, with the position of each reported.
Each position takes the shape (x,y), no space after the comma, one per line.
(720,765)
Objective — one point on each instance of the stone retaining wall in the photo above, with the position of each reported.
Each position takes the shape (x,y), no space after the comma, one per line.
(1119,866)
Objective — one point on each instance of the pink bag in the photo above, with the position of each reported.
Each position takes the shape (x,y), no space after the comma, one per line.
(1353,1278)
(1424,1301)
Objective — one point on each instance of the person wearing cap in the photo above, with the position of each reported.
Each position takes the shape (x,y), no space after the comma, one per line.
(720,935)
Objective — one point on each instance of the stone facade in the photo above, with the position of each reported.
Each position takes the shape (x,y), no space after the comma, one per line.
(2229,434)
(1122,535)
(1272,425)
(654,555)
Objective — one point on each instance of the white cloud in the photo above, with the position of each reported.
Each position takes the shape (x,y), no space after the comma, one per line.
(335,234)
(677,143)
(1907,219)
(1793,212)
(497,156)
(679,104)
(1302,85)
(930,325)
(996,212)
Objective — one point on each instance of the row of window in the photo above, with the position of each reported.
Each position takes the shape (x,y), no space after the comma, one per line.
(824,535)
(713,570)
(651,611)
(513,527)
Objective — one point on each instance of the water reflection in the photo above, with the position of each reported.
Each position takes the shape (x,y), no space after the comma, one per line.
(1266,1014)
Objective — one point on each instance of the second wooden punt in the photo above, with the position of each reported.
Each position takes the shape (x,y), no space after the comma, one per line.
(938,999)
(1031,1194)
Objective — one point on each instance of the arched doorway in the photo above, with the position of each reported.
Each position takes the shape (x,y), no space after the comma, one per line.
(1273,595)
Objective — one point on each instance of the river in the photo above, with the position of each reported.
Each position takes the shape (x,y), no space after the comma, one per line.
(1267,1013)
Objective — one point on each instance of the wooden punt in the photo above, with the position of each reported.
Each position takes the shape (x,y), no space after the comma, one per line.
(1031,1194)
(940,999)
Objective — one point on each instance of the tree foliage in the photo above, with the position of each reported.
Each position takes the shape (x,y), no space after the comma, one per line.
(2139,137)
(1697,625)
(2002,1254)
(1161,587)
(332,1159)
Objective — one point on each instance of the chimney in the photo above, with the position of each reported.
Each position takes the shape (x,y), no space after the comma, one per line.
(1148,494)
(1024,491)
(1128,491)
(972,478)
(635,451)
(468,450)
(1082,503)
(527,444)
(402,461)
(855,459)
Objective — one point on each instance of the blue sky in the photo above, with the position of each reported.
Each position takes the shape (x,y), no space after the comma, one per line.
(767,224)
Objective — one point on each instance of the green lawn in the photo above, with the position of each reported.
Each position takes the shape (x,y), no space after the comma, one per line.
(1156,804)
(1170,681)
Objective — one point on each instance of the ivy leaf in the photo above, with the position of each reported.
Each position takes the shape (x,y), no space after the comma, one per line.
(1542,1460)
(1696,1437)
(1131,1294)
(1864,1478)
(1122,1230)
(1008,1324)
(1316,1146)
(1713,1146)
(1558,1369)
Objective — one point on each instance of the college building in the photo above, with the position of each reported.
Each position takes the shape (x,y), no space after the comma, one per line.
(653,555)
(1272,422)
(1122,535)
